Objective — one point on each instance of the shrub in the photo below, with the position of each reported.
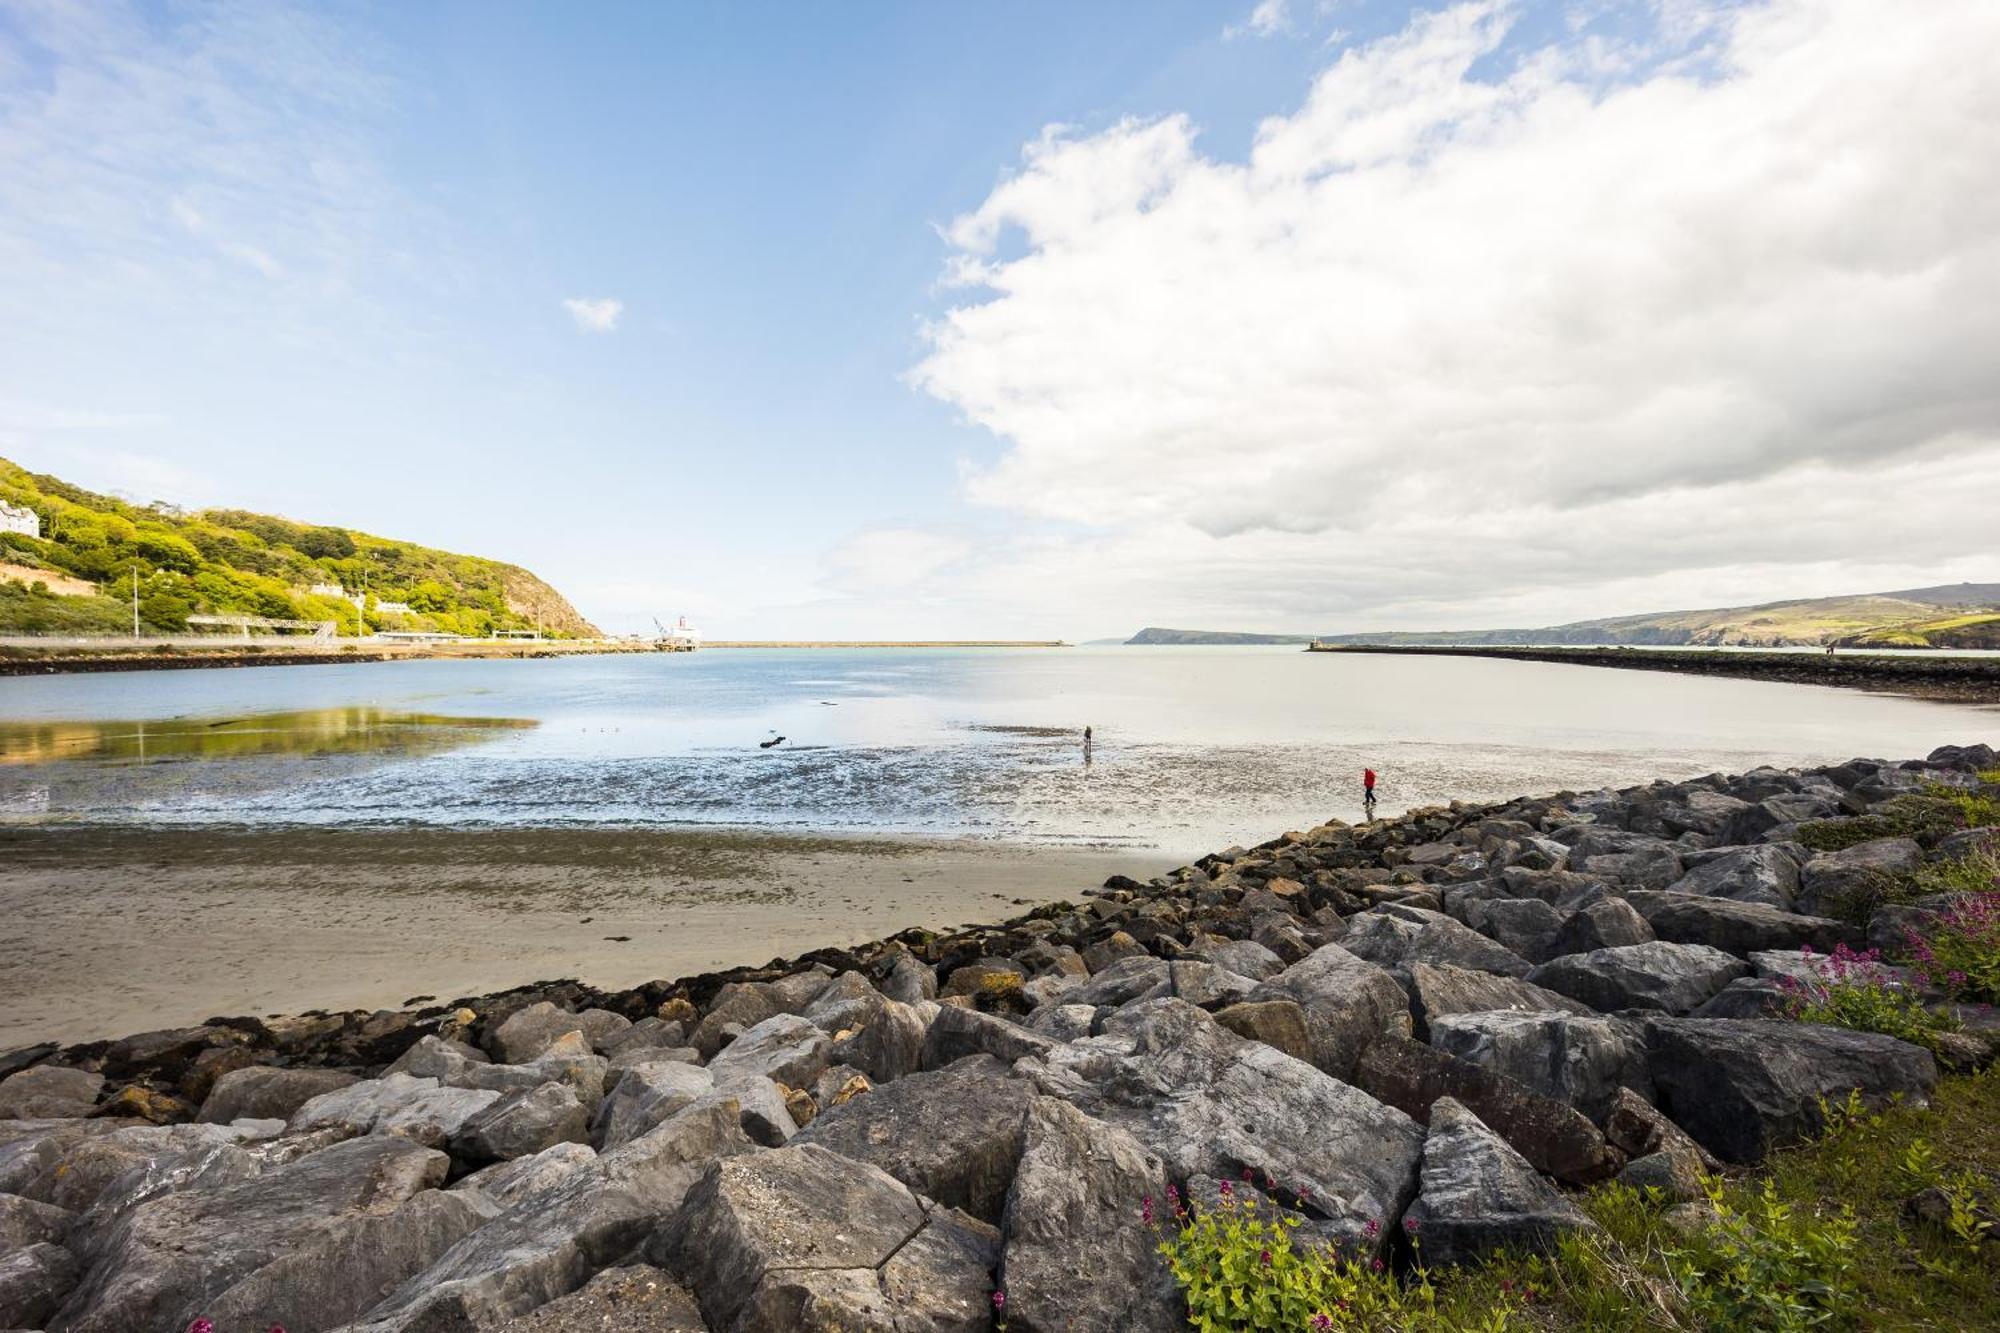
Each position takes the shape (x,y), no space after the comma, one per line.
(1857,992)
(1241,1273)
(1767,1265)
(1959,951)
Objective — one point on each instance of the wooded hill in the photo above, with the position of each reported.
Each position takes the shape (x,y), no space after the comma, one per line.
(77,577)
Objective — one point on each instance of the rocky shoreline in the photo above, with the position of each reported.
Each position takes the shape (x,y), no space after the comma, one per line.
(1446,1020)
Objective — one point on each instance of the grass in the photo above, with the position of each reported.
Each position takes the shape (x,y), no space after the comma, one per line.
(1839,1196)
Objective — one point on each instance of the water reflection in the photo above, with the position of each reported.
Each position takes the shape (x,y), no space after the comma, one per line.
(304,733)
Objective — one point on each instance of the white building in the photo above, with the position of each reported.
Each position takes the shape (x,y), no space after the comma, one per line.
(16,518)
(393,609)
(331,590)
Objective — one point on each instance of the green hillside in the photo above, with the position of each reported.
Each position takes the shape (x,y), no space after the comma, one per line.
(1962,615)
(77,577)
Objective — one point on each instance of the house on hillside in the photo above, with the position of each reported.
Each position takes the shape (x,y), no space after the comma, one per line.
(393,609)
(18,518)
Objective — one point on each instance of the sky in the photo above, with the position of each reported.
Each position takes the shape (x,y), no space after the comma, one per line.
(1031,320)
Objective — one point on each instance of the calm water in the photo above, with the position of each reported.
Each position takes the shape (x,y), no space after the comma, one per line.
(1196,747)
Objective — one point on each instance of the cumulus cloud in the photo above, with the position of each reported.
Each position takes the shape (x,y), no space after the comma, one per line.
(1479,328)
(594,314)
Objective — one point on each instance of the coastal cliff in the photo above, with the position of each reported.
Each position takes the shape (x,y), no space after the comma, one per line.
(1418,1037)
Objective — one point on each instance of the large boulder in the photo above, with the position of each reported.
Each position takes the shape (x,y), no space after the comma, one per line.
(530,1031)
(1629,858)
(953,1134)
(784,1047)
(170,1257)
(1279,1023)
(1606,923)
(25,1222)
(1734,927)
(522,1124)
(33,1283)
(1347,1002)
(802,1238)
(1527,926)
(889,1044)
(328,1282)
(1673,978)
(1208,1102)
(265,1092)
(955,1033)
(1398,936)
(1744,1088)
(1436,992)
(48,1092)
(847,1002)
(1075,1260)
(524,1178)
(1478,1195)
(83,1173)
(1555,1136)
(1580,1060)
(549,1244)
(1760,874)
(645,1095)
(1857,877)
(637,1298)
(412,1108)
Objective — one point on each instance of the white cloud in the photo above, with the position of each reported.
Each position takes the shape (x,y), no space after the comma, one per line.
(594,314)
(884,559)
(1449,343)
(1267,19)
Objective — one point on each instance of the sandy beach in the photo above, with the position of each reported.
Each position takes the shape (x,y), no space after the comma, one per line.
(118,930)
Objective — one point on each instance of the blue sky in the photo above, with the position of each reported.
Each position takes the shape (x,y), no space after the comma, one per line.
(317,261)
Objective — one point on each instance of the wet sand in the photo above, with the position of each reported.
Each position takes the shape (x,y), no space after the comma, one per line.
(110,931)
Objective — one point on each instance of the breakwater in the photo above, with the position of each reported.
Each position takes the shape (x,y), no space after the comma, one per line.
(1961,679)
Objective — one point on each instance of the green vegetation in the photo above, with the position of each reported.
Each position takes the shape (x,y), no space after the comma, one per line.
(1858,993)
(1826,1236)
(229,562)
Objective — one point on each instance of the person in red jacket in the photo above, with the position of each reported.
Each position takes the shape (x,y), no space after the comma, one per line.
(1368,792)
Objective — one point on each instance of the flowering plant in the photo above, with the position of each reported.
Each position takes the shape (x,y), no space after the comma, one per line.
(1856,991)
(1959,952)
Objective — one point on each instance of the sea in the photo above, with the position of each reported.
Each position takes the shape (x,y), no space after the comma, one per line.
(1194,747)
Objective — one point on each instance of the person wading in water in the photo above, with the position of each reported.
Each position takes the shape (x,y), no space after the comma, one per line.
(1086,745)
(1368,793)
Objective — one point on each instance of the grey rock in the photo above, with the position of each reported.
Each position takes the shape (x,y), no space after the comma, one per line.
(552,1243)
(1733,927)
(1673,978)
(802,1238)
(1674,1173)
(1246,958)
(1347,1002)
(522,1124)
(80,1175)
(510,1183)
(33,1283)
(329,1281)
(1437,992)
(602,1028)
(25,1222)
(1063,1022)
(1073,1260)
(1277,1023)
(49,1091)
(847,1003)
(910,980)
(263,1092)
(169,1257)
(1744,1088)
(1607,923)
(889,1045)
(32,1146)
(1856,875)
(529,1032)
(737,1007)
(1478,1195)
(631,1057)
(638,1298)
(1629,858)
(430,1056)
(1762,874)
(1581,1060)
(761,1108)
(1208,1102)
(955,1033)
(953,1134)
(647,1034)
(982,974)
(1205,985)
(646,1095)
(1128,979)
(1638,1128)
(1527,926)
(1412,935)
(784,1047)
(1553,1135)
